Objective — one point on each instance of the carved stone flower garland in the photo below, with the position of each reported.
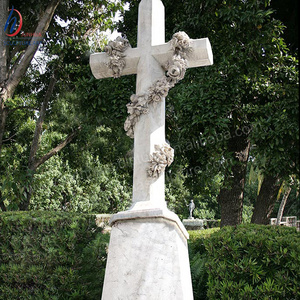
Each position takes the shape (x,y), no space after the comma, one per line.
(115,50)
(175,71)
(139,104)
(162,157)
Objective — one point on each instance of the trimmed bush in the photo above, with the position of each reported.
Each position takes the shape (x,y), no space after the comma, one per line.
(51,255)
(253,262)
(198,260)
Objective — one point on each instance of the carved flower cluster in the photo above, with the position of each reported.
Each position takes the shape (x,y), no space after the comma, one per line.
(135,108)
(175,71)
(162,157)
(115,50)
(181,44)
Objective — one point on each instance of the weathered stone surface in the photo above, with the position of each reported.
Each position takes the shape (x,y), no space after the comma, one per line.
(147,260)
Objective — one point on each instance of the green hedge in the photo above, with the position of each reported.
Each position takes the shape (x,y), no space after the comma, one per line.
(51,255)
(198,260)
(253,262)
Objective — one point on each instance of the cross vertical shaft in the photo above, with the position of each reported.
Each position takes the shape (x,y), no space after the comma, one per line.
(150,130)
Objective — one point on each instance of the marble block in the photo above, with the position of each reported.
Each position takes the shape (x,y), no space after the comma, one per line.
(147,259)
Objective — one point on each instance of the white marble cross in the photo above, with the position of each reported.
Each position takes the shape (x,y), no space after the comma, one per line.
(147,61)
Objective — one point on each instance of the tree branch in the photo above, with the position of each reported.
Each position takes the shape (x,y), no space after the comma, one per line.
(3,116)
(2,206)
(22,107)
(14,51)
(10,138)
(30,51)
(3,47)
(20,56)
(39,123)
(55,150)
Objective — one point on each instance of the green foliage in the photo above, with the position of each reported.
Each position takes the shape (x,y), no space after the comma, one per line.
(253,262)
(179,194)
(47,255)
(198,260)
(275,134)
(92,187)
(247,213)
(64,52)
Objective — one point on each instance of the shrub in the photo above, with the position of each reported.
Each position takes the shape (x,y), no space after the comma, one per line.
(46,255)
(198,261)
(253,262)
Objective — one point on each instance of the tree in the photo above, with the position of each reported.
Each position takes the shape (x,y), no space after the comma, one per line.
(14,63)
(265,200)
(43,24)
(275,135)
(288,13)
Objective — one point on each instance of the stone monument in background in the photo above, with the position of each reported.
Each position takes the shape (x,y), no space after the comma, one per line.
(148,255)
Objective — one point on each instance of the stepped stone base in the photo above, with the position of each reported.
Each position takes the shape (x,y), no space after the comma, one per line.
(147,257)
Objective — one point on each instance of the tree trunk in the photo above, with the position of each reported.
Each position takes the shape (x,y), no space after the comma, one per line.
(3,46)
(39,124)
(231,194)
(265,200)
(20,69)
(8,84)
(282,205)
(2,205)
(3,68)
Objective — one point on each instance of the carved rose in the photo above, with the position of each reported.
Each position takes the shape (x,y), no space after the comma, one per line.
(118,45)
(162,157)
(129,126)
(177,69)
(116,64)
(138,105)
(180,42)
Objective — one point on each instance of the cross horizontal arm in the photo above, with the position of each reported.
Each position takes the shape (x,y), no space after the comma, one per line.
(201,54)
(99,63)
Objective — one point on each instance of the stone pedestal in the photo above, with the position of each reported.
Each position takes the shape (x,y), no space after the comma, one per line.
(193,224)
(147,258)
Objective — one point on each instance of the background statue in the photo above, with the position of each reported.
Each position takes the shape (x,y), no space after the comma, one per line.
(191,208)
